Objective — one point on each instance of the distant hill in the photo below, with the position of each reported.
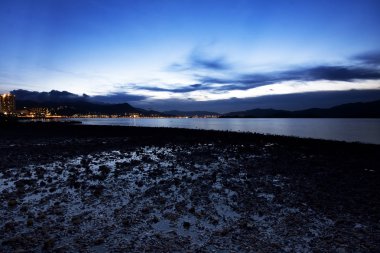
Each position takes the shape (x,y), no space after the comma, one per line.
(352,110)
(51,96)
(259,113)
(65,103)
(190,113)
(80,107)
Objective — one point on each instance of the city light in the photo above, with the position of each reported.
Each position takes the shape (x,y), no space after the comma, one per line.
(7,104)
(8,107)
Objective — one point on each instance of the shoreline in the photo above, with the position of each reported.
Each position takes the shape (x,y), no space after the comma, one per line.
(78,129)
(74,187)
(359,130)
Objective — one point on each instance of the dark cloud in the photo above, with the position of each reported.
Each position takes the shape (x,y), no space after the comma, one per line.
(253,80)
(189,88)
(243,82)
(331,73)
(372,58)
(249,81)
(118,97)
(200,63)
(336,73)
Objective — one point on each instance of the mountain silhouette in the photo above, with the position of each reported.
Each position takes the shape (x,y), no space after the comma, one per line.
(351,110)
(190,113)
(68,104)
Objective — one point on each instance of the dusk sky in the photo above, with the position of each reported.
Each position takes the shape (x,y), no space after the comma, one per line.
(162,54)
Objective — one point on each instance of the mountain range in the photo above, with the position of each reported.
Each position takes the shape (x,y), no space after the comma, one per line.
(351,110)
(66,103)
(191,113)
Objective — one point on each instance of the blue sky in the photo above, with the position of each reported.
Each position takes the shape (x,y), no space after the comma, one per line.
(154,51)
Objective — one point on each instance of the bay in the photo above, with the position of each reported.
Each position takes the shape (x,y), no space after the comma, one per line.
(350,130)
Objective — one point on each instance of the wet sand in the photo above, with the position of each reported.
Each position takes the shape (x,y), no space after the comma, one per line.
(73,188)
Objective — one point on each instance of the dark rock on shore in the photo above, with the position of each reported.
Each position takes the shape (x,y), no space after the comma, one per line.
(70,188)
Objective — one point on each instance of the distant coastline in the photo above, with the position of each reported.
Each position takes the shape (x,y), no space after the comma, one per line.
(63,104)
(78,128)
(343,129)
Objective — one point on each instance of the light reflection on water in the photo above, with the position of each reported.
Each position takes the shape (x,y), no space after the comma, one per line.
(351,130)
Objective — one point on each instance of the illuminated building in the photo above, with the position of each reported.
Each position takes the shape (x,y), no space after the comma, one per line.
(39,112)
(7,103)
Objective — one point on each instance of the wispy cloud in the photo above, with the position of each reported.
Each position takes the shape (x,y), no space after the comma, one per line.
(184,89)
(216,63)
(199,60)
(329,73)
(372,58)
(218,74)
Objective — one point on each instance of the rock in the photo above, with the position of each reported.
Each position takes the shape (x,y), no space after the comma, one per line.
(22,182)
(140,183)
(99,241)
(186,225)
(104,170)
(29,222)
(9,226)
(126,222)
(24,209)
(12,203)
(214,220)
(171,216)
(97,190)
(155,219)
(49,244)
(76,220)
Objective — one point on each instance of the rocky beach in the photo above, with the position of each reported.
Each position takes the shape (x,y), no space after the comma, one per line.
(75,188)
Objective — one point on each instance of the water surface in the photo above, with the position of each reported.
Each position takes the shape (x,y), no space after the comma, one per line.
(351,130)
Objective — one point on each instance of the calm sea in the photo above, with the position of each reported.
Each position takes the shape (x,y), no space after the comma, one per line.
(351,130)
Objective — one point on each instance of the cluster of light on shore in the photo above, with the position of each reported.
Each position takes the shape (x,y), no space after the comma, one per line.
(8,107)
(107,116)
(7,103)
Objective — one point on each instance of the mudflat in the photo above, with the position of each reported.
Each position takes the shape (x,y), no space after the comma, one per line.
(70,187)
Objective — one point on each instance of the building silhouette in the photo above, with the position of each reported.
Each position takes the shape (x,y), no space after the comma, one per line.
(7,103)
